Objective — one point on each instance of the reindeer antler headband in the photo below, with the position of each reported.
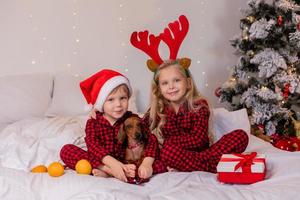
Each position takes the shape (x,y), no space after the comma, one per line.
(140,41)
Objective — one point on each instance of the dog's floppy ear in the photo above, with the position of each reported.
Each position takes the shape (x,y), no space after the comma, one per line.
(122,134)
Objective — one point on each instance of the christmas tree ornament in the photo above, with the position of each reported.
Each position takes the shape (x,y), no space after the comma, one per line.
(280,20)
(296,124)
(250,53)
(291,70)
(246,37)
(286,90)
(251,19)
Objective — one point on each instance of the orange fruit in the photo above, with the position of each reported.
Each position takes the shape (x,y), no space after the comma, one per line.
(39,169)
(83,167)
(56,169)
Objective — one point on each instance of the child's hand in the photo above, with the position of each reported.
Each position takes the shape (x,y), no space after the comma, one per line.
(170,169)
(129,170)
(117,170)
(116,167)
(145,171)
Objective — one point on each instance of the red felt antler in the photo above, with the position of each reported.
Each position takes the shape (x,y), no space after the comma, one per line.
(140,41)
(178,34)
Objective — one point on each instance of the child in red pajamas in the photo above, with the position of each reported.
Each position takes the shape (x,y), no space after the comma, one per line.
(178,112)
(108,91)
(181,116)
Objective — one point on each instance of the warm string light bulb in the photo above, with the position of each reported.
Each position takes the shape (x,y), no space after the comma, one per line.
(76,39)
(264,88)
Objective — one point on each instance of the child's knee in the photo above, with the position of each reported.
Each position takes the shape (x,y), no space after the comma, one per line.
(242,135)
(243,139)
(238,133)
(65,149)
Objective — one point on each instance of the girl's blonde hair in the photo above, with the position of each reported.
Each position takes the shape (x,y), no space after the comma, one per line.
(158,101)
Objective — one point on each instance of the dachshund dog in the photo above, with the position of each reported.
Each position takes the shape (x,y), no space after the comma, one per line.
(132,136)
(134,139)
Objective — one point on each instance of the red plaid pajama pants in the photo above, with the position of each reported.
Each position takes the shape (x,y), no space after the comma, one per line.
(71,154)
(184,160)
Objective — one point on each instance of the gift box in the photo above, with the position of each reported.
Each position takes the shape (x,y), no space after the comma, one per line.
(241,168)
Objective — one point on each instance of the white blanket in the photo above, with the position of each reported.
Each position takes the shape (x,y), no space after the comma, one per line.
(31,142)
(282,181)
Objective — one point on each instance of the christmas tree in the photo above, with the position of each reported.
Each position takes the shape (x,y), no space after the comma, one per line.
(266,78)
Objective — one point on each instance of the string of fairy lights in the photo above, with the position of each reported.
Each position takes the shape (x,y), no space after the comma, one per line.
(76,38)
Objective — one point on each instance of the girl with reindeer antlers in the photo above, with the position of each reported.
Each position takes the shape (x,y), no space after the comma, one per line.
(178,112)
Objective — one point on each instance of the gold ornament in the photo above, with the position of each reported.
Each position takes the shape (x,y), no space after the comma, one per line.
(296,124)
(250,18)
(291,69)
(246,37)
(250,53)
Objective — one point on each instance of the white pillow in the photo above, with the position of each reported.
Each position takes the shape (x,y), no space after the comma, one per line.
(224,121)
(23,96)
(68,100)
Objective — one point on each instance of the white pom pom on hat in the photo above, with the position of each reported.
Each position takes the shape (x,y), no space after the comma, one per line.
(97,87)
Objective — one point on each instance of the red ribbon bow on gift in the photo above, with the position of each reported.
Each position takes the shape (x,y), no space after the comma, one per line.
(246,162)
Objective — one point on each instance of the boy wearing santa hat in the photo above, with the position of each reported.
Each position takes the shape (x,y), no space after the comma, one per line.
(108,93)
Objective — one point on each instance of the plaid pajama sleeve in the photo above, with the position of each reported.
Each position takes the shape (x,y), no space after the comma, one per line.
(151,147)
(197,136)
(93,141)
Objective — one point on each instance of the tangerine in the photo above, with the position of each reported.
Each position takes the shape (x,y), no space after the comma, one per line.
(83,166)
(56,169)
(39,169)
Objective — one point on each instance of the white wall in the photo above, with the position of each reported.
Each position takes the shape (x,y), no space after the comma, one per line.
(81,36)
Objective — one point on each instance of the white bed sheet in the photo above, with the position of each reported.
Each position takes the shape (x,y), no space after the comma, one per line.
(282,181)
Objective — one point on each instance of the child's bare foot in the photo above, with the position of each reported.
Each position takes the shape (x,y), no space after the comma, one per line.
(170,169)
(99,173)
(102,171)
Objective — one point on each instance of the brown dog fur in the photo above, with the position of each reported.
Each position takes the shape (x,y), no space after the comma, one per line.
(134,138)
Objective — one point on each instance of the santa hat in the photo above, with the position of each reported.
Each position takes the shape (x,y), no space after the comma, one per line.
(97,87)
